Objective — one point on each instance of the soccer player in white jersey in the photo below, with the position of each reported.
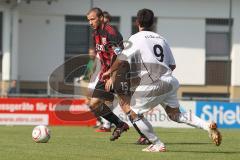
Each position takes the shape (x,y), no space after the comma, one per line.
(154,61)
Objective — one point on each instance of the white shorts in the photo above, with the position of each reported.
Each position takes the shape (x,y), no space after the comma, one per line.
(162,92)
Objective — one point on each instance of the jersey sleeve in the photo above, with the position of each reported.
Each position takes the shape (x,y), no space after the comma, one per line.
(115,38)
(128,51)
(171,58)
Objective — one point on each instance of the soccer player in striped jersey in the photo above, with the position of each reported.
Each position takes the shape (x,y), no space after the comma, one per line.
(105,39)
(105,124)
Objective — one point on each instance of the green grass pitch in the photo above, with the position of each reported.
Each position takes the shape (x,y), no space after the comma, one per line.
(82,143)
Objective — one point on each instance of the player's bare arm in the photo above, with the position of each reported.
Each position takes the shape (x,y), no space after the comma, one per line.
(113,68)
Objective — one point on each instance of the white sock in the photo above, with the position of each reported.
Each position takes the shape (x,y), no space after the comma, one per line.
(192,120)
(146,128)
(105,123)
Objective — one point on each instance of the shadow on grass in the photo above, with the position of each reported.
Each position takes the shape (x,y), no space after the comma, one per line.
(191,143)
(189,151)
(222,152)
(175,143)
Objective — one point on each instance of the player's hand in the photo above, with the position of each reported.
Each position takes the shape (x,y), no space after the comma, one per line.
(106,74)
(108,85)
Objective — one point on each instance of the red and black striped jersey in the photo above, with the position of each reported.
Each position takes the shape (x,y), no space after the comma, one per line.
(105,40)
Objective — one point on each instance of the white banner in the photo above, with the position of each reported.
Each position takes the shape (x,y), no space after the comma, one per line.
(23,119)
(158,116)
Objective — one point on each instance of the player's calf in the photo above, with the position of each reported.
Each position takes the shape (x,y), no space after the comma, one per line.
(173,113)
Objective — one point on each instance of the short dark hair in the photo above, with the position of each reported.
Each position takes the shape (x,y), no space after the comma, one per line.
(107,15)
(145,18)
(98,11)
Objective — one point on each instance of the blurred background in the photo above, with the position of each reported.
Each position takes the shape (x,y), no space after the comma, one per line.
(37,36)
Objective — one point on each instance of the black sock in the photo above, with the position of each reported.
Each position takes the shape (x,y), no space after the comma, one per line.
(111,117)
(104,111)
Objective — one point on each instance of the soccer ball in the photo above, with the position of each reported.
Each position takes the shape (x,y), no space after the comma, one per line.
(41,134)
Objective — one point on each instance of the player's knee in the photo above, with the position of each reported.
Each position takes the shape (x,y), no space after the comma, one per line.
(126,108)
(94,103)
(124,103)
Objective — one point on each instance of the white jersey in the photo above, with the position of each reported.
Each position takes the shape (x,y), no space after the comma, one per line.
(151,52)
(152,56)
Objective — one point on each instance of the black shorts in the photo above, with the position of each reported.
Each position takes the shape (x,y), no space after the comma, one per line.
(122,80)
(120,88)
(121,84)
(101,93)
